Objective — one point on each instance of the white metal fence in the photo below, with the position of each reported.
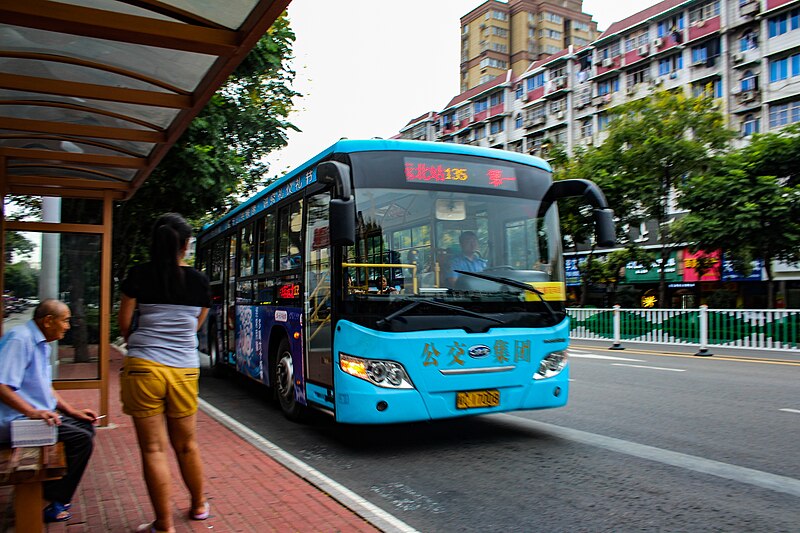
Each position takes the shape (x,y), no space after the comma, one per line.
(764,329)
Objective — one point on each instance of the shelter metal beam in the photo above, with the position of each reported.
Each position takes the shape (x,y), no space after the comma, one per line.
(89,159)
(82,130)
(34,84)
(102,24)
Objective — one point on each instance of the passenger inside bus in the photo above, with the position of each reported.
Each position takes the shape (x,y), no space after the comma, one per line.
(382,286)
(468,260)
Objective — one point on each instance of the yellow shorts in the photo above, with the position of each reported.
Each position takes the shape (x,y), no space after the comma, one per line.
(148,388)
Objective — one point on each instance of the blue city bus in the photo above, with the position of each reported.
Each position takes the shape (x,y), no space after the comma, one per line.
(344,286)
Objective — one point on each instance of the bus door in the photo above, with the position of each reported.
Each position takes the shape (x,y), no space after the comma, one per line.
(319,361)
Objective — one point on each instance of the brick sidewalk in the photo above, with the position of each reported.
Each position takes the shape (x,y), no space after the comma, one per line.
(247,490)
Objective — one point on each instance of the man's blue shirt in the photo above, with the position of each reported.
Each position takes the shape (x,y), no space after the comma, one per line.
(25,367)
(462,262)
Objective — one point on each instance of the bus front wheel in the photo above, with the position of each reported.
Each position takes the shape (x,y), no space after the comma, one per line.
(284,382)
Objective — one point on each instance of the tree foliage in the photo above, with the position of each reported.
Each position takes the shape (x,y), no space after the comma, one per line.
(654,145)
(750,207)
(219,158)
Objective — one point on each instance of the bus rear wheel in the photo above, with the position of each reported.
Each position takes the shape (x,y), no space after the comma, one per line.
(284,382)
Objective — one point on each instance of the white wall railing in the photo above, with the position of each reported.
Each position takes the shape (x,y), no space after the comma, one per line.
(763,329)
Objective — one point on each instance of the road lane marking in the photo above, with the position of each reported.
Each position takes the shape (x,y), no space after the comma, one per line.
(767,360)
(363,508)
(787,410)
(739,474)
(587,355)
(651,367)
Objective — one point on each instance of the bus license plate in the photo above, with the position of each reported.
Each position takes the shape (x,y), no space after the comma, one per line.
(477,398)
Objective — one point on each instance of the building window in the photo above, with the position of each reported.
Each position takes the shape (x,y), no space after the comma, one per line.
(608,86)
(553,34)
(750,125)
(667,26)
(479,133)
(500,32)
(783,114)
(499,15)
(704,11)
(557,105)
(518,91)
(552,17)
(496,99)
(535,113)
(669,64)
(496,127)
(780,24)
(580,26)
(784,68)
(748,41)
(602,121)
(534,82)
(749,81)
(518,121)
(494,63)
(480,105)
(636,76)
(586,128)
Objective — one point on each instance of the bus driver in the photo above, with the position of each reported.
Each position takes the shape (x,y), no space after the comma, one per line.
(469,260)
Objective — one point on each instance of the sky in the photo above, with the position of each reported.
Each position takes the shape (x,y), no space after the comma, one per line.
(367,67)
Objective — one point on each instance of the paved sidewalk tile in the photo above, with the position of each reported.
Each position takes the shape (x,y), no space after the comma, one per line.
(248,490)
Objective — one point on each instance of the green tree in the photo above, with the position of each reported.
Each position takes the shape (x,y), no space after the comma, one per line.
(220,156)
(745,209)
(654,144)
(21,279)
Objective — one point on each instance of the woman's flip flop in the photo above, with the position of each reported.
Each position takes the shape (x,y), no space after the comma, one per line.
(202,515)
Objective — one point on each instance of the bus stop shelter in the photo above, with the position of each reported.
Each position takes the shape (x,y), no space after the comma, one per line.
(93,93)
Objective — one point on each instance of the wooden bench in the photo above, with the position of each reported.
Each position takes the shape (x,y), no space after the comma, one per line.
(26,469)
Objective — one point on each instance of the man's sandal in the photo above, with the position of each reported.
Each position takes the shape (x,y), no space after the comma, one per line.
(56,512)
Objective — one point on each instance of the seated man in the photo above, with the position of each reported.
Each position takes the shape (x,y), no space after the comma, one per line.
(26,391)
(468,260)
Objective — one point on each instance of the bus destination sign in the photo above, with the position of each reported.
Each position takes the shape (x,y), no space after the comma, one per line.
(464,173)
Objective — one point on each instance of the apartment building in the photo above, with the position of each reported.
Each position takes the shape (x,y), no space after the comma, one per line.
(499,36)
(745,52)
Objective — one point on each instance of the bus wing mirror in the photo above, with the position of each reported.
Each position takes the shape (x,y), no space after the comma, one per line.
(603,215)
(342,217)
(604,226)
(342,214)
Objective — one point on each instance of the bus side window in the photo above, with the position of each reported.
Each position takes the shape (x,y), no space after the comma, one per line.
(266,244)
(290,229)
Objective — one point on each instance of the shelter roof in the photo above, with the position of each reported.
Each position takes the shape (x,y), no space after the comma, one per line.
(93,93)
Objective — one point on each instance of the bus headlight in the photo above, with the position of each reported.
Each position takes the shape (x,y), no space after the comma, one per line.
(552,364)
(379,372)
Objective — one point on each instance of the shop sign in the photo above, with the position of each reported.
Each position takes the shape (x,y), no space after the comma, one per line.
(691,260)
(638,273)
(729,274)
(571,270)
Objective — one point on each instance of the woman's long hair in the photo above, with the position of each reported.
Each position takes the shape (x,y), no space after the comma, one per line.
(170,233)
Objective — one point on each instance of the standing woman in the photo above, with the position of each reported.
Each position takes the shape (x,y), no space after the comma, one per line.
(159,382)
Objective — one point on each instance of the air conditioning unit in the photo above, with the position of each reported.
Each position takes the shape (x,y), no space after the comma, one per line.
(673,75)
(607,62)
(658,42)
(643,50)
(588,141)
(747,96)
(491,138)
(524,97)
(699,23)
(559,115)
(700,63)
(736,90)
(749,9)
(630,90)
(737,58)
(560,83)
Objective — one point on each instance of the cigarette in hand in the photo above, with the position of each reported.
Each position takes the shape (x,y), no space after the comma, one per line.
(99,417)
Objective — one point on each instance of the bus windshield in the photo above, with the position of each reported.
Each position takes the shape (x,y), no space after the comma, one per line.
(477,250)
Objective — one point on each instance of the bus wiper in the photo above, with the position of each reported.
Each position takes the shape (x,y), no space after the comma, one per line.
(513,283)
(415,303)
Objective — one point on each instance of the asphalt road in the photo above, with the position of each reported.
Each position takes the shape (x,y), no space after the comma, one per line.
(647,442)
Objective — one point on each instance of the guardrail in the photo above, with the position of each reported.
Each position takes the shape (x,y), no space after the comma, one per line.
(763,329)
